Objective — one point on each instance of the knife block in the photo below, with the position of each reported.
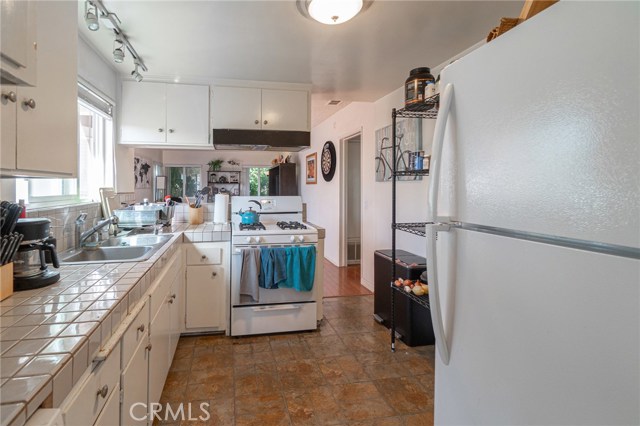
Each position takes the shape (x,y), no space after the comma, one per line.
(6,280)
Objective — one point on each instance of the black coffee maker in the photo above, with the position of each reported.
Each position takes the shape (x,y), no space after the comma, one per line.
(29,265)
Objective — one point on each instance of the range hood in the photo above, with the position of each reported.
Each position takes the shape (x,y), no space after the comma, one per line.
(261,140)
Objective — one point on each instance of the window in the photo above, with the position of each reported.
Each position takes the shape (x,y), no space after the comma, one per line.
(258,181)
(183,180)
(96,163)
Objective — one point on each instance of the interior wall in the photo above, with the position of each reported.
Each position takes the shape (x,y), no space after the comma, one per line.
(323,198)
(154,156)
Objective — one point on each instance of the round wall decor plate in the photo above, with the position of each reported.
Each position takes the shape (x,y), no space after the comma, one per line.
(328,161)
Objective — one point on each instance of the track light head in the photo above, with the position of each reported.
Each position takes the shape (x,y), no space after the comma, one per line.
(91,16)
(135,74)
(118,50)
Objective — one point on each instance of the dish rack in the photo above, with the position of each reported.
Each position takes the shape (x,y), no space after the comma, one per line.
(144,215)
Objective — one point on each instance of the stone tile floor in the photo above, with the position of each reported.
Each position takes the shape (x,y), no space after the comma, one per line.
(342,374)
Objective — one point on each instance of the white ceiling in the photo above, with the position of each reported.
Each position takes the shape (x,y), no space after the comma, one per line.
(269,40)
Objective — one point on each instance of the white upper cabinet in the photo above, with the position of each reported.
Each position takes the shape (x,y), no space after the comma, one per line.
(259,109)
(18,38)
(285,110)
(39,131)
(187,114)
(167,114)
(236,108)
(144,112)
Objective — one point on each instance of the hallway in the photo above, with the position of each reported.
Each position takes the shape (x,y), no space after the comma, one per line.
(343,281)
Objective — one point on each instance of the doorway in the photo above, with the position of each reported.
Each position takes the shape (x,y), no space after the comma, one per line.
(351,201)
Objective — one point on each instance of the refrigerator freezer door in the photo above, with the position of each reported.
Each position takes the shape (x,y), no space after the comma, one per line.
(539,334)
(543,130)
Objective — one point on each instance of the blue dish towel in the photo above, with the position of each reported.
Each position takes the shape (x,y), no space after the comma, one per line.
(273,267)
(301,268)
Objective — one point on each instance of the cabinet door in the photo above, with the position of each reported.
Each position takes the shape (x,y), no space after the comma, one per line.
(187,114)
(206,297)
(144,114)
(236,108)
(135,379)
(8,113)
(176,314)
(159,361)
(47,130)
(110,415)
(17,41)
(285,110)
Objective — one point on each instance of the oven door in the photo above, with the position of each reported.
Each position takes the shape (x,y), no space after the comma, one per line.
(267,296)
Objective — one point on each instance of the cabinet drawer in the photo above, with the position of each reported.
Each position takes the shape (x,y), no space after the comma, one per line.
(86,400)
(204,254)
(137,331)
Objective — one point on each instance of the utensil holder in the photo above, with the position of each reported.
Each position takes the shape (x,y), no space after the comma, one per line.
(6,280)
(196,215)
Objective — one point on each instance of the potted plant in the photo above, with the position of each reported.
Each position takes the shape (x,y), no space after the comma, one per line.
(214,165)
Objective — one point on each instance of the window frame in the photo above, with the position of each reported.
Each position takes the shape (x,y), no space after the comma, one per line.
(184,186)
(247,173)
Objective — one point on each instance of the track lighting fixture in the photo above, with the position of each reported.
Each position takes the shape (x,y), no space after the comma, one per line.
(91,16)
(135,74)
(118,49)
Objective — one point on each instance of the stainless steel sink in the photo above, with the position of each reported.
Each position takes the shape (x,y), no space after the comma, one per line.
(108,254)
(130,248)
(136,240)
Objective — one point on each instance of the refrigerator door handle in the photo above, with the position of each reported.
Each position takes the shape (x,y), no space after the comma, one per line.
(432,216)
(436,152)
(434,291)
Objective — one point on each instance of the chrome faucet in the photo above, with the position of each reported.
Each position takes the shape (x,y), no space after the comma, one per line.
(80,222)
(84,236)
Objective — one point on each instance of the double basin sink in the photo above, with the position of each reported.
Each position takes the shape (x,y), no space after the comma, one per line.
(128,248)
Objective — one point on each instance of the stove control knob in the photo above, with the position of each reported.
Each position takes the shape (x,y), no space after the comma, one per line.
(292,239)
(258,239)
(249,240)
(301,238)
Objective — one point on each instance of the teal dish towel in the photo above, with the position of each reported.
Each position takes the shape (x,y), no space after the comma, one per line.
(301,268)
(273,267)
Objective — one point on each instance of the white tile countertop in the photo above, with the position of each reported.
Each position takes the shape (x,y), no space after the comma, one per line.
(50,336)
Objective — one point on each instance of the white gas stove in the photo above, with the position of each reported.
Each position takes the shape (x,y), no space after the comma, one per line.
(276,310)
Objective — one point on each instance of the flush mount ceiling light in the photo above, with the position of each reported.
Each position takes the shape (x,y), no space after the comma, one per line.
(91,16)
(118,50)
(332,12)
(135,74)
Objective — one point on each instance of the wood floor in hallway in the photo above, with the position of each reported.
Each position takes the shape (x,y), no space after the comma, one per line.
(343,281)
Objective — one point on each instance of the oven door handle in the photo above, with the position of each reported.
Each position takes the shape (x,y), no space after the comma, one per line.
(276,308)
(239,250)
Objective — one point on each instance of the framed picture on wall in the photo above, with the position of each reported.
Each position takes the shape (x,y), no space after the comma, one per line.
(312,163)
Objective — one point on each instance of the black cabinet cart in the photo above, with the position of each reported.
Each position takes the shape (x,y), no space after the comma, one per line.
(283,180)
(407,302)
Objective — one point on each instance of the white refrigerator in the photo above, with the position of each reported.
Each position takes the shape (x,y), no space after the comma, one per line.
(534,260)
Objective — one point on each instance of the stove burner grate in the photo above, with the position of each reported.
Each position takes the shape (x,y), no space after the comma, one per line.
(290,225)
(253,227)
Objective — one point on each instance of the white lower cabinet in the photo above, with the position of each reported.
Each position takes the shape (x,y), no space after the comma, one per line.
(135,379)
(87,399)
(159,353)
(110,415)
(207,286)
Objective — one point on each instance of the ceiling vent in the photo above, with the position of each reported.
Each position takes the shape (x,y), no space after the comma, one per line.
(334,102)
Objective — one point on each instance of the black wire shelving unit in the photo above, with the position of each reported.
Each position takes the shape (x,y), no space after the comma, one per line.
(426,110)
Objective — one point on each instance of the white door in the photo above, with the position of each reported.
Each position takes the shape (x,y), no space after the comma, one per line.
(236,108)
(159,361)
(47,128)
(187,114)
(206,305)
(135,381)
(285,110)
(144,115)
(8,129)
(110,414)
